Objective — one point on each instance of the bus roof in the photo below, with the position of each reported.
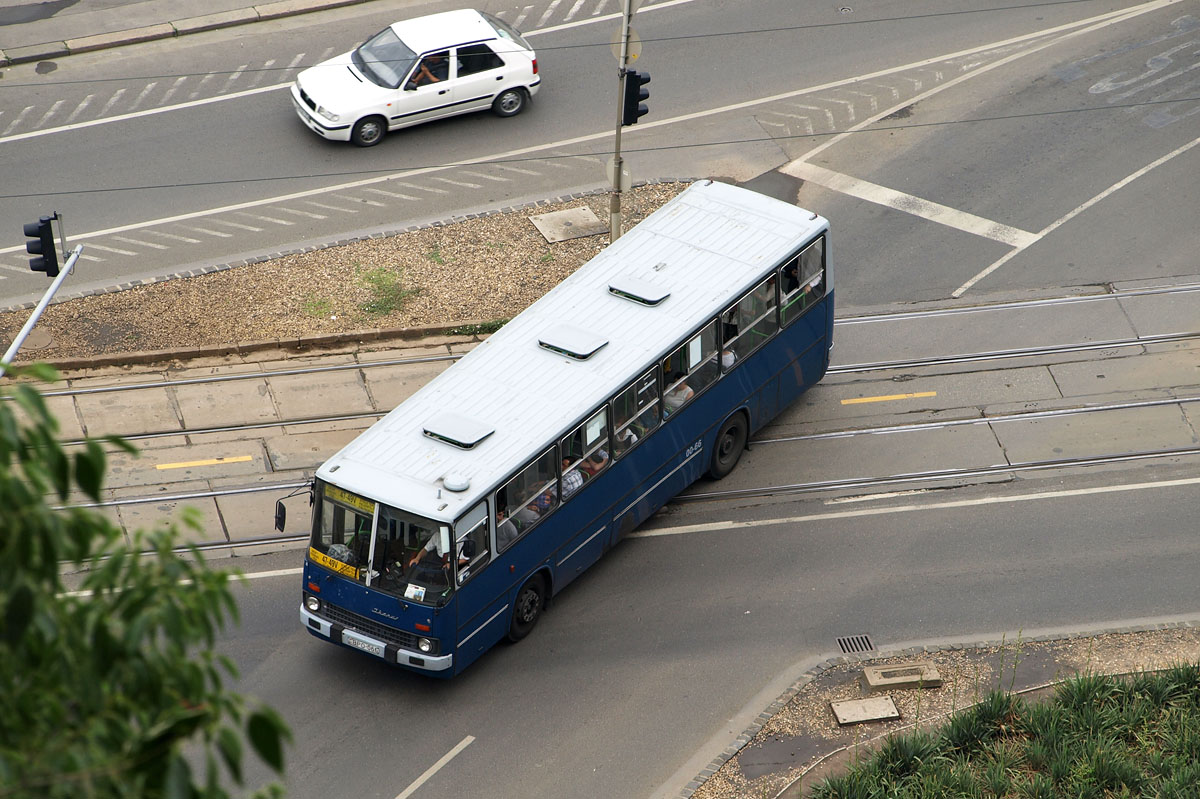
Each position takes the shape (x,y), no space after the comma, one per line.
(703,248)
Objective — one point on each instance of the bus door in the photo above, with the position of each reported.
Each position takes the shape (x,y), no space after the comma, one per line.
(482,609)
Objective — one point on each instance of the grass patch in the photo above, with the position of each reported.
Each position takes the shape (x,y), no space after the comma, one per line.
(1098,736)
(316,307)
(388,294)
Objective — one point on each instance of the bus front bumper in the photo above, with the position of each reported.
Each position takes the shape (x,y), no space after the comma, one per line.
(389,653)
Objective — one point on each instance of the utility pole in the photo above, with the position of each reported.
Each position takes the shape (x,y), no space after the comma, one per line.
(621,47)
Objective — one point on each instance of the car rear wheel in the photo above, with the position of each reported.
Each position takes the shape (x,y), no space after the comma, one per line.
(368,131)
(509,102)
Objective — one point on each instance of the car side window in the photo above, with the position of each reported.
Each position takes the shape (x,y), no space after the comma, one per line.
(476,58)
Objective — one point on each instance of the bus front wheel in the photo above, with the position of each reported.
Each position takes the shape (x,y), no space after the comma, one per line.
(731,440)
(527,609)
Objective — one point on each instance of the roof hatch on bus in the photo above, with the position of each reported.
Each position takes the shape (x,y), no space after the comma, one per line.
(457,430)
(640,291)
(572,342)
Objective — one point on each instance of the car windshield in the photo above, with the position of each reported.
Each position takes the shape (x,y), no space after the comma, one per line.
(506,31)
(384,59)
(409,558)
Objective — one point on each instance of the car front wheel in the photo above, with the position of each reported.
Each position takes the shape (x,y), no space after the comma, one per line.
(368,131)
(509,103)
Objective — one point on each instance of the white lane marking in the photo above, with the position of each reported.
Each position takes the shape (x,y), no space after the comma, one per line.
(200,86)
(110,249)
(298,570)
(50,113)
(142,243)
(173,237)
(482,176)
(586,138)
(174,88)
(328,207)
(436,767)
(298,212)
(396,195)
(917,206)
(549,11)
(355,201)
(148,112)
(262,72)
(1120,184)
(268,219)
(237,73)
(237,225)
(521,18)
(79,109)
(710,527)
(217,233)
(574,10)
(518,170)
(86,257)
(111,101)
(828,114)
(462,184)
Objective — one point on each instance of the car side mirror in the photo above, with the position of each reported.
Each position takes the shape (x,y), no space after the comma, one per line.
(280,515)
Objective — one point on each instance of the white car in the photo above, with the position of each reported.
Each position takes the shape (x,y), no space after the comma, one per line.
(415,71)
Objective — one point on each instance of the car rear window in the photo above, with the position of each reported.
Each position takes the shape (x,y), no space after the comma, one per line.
(506,31)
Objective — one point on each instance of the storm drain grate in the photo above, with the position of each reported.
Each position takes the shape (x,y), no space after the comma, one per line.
(855,644)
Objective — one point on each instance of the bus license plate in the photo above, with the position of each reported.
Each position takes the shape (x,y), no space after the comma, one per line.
(366,646)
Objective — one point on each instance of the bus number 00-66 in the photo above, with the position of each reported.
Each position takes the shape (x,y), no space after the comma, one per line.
(694,448)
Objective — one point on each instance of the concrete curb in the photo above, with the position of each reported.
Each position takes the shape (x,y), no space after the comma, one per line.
(168,30)
(303,343)
(747,735)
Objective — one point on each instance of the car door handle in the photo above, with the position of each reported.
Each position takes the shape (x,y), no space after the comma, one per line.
(443,91)
(499,77)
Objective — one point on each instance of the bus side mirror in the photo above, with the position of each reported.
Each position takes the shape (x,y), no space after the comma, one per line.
(280,515)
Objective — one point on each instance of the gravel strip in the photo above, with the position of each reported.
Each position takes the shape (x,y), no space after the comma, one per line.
(486,268)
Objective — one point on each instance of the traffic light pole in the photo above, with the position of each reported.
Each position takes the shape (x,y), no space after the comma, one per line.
(41,307)
(614,206)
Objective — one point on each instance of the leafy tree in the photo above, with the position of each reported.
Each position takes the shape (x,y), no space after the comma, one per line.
(113,690)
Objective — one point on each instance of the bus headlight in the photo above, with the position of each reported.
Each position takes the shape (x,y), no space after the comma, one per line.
(312,603)
(425,645)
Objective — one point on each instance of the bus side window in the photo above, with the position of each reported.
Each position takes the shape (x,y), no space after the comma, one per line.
(525,499)
(635,412)
(690,369)
(584,453)
(803,281)
(749,323)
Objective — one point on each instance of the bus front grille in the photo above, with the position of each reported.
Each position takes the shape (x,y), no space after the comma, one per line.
(369,627)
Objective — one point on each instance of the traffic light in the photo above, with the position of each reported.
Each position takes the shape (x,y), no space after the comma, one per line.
(633,105)
(42,246)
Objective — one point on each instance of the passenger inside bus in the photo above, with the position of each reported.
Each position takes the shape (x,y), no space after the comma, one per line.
(572,477)
(678,393)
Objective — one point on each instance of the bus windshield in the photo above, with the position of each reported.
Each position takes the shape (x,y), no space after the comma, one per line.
(407,557)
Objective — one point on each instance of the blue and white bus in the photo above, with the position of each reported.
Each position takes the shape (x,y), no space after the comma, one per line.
(448,524)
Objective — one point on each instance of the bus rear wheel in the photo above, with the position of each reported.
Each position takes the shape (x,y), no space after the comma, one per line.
(531,599)
(731,440)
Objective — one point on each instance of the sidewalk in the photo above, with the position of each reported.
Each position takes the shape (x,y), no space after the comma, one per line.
(35,30)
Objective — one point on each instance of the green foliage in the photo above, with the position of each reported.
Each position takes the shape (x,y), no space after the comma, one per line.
(481,329)
(106,685)
(316,307)
(1099,736)
(387,293)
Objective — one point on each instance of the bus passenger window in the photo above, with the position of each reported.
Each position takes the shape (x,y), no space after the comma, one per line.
(751,322)
(525,499)
(690,369)
(471,543)
(803,281)
(635,412)
(584,453)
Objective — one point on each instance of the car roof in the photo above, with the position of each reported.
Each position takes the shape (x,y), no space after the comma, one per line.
(446,29)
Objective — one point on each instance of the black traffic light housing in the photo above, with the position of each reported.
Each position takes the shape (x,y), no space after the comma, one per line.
(633,106)
(42,246)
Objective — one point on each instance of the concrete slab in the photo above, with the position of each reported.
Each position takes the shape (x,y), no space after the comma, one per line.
(980,329)
(900,676)
(140,410)
(235,402)
(210,22)
(306,451)
(167,467)
(859,711)
(572,223)
(1094,434)
(389,386)
(886,454)
(157,515)
(1161,314)
(1134,373)
(102,41)
(320,394)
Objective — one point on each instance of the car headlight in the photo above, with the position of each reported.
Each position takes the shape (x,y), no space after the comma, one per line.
(325,112)
(425,645)
(312,603)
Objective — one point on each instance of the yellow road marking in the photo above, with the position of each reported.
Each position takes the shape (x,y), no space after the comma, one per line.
(860,400)
(208,462)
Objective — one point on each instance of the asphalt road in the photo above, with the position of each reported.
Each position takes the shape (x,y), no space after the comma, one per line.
(992,169)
